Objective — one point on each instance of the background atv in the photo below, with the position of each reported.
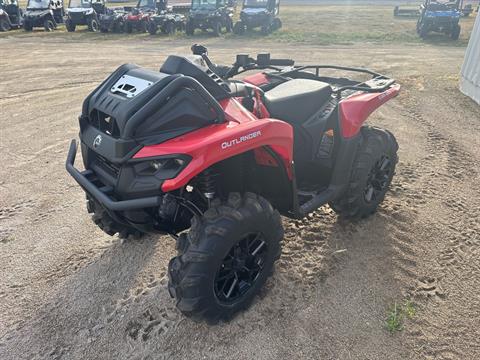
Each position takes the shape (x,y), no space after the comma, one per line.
(113,20)
(11,16)
(210,14)
(439,16)
(85,12)
(165,20)
(259,13)
(138,17)
(190,148)
(46,13)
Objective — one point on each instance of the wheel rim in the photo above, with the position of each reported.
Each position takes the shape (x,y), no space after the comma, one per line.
(241,268)
(378,179)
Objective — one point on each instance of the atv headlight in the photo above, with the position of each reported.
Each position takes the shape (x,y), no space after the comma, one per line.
(2,12)
(162,168)
(89,12)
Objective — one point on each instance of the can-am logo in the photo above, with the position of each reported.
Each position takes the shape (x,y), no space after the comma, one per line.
(241,139)
(97,141)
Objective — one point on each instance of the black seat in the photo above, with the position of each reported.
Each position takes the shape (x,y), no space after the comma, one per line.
(297,100)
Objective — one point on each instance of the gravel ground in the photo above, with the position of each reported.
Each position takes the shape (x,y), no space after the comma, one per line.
(69,291)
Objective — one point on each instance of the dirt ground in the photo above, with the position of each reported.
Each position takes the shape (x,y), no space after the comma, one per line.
(68,291)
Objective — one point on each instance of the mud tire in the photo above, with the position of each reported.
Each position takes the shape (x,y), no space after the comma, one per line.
(376,144)
(201,252)
(109,226)
(70,25)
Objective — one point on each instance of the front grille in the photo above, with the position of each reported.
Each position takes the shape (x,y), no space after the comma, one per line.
(109,167)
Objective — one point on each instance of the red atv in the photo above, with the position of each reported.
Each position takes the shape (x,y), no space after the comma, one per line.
(137,18)
(189,148)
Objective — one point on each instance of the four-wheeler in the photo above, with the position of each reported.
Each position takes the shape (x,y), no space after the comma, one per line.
(210,14)
(43,13)
(84,12)
(11,16)
(165,20)
(188,147)
(439,16)
(113,20)
(138,18)
(259,13)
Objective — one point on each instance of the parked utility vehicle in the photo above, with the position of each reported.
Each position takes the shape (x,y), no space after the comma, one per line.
(166,20)
(439,16)
(43,13)
(190,148)
(11,16)
(210,15)
(261,14)
(85,12)
(139,17)
(113,20)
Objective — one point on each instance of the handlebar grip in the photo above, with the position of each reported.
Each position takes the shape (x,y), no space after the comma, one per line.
(282,62)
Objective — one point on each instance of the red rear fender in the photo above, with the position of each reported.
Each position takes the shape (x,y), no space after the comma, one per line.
(355,109)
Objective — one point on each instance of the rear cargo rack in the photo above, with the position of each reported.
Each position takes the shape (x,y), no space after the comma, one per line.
(384,82)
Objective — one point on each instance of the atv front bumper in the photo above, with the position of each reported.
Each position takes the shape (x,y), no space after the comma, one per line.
(87,180)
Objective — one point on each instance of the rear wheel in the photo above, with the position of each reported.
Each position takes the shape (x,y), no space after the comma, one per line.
(170,28)
(93,25)
(105,222)
(118,27)
(27,26)
(128,27)
(371,175)
(455,34)
(229,24)
(189,28)
(70,25)
(226,257)
(217,28)
(152,27)
(4,25)
(48,25)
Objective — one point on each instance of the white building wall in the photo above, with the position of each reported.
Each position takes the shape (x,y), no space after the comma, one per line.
(470,81)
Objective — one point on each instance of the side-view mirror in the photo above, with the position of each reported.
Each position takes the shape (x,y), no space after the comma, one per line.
(198,49)
(242,60)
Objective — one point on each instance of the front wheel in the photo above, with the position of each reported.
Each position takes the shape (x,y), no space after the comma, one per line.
(107,224)
(93,25)
(371,174)
(226,257)
(70,25)
(455,34)
(277,23)
(239,28)
(4,25)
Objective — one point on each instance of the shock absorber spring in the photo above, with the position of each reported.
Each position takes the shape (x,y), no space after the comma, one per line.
(207,183)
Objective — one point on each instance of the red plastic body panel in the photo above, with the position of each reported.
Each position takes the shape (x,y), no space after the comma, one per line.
(258,79)
(355,110)
(242,131)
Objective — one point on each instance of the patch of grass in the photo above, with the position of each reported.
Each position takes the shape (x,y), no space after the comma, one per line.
(397,314)
(394,320)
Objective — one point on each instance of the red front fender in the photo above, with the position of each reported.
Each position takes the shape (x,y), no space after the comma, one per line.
(240,133)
